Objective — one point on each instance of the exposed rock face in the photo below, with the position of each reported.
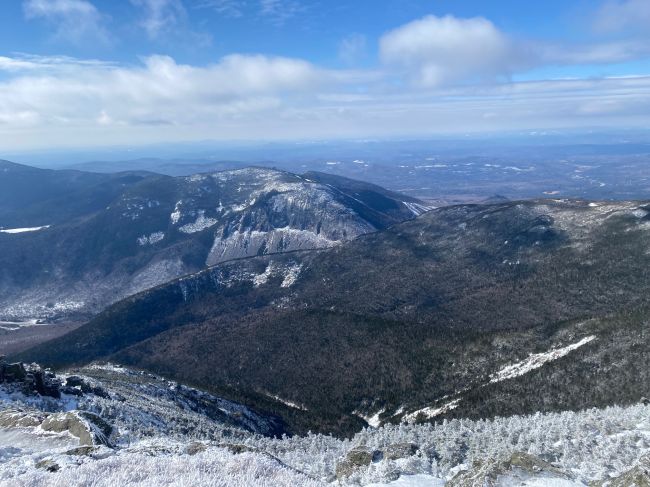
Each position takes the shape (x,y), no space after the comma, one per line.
(360,457)
(82,451)
(13,372)
(89,428)
(639,476)
(400,450)
(32,379)
(356,458)
(14,418)
(49,465)
(163,227)
(497,474)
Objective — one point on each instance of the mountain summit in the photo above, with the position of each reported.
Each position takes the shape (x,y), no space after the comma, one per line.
(127,232)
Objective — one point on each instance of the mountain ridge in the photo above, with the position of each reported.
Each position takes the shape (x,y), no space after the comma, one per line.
(426,309)
(151,228)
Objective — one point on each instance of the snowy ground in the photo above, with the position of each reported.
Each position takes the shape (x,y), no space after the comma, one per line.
(166,434)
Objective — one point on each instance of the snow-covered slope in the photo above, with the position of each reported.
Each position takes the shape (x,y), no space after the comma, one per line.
(165,434)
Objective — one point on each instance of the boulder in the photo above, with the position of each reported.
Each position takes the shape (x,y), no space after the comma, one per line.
(31,378)
(14,418)
(14,372)
(89,428)
(238,448)
(82,451)
(639,476)
(48,464)
(357,458)
(195,447)
(520,466)
(71,391)
(74,381)
(530,463)
(400,450)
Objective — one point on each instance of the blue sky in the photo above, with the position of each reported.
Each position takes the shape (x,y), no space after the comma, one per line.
(78,73)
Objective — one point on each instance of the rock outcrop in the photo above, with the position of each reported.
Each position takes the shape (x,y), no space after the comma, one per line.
(31,378)
(89,428)
(516,469)
(362,456)
(638,476)
(357,458)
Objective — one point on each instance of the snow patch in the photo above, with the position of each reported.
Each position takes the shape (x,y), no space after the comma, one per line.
(176,214)
(202,222)
(431,412)
(416,208)
(260,279)
(291,275)
(24,230)
(151,239)
(373,420)
(537,360)
(286,402)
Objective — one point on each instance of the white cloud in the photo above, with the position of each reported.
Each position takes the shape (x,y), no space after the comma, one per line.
(75,20)
(621,15)
(41,63)
(594,53)
(161,16)
(352,48)
(227,8)
(280,11)
(67,103)
(442,50)
(457,72)
(159,92)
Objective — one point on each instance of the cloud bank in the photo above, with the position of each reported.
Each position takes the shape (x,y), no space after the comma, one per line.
(434,75)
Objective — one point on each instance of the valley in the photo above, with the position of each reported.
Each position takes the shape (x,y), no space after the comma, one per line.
(304,243)
(472,301)
(18,336)
(265,317)
(140,428)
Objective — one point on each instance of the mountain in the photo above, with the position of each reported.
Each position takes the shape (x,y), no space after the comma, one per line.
(468,311)
(32,197)
(120,234)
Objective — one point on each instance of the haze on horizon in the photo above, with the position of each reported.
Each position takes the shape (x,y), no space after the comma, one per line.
(87,73)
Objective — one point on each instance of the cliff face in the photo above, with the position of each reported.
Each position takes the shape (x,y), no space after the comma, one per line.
(156,228)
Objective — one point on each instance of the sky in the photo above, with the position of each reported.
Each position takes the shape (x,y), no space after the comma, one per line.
(90,73)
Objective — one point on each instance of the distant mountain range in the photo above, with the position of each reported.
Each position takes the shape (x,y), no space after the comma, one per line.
(73,242)
(465,311)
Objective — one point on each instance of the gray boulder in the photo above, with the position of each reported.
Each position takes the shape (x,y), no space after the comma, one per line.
(74,381)
(48,464)
(14,418)
(89,428)
(14,372)
(639,476)
(82,451)
(520,466)
(357,458)
(195,447)
(400,450)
